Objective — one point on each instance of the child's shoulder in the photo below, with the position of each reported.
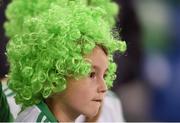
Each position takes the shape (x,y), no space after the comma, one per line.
(36,113)
(30,114)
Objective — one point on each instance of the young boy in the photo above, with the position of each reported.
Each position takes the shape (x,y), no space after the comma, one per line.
(61,58)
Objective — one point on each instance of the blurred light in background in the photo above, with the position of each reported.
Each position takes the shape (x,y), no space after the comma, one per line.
(149,74)
(160,21)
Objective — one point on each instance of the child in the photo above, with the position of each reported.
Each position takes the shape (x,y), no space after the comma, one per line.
(61,57)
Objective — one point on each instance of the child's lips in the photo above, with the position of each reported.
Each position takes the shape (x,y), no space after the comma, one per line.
(97,100)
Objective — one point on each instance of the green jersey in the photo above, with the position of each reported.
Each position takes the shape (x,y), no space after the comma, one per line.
(36,113)
(14,108)
(5,115)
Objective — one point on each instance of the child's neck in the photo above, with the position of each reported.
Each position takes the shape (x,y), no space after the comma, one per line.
(62,112)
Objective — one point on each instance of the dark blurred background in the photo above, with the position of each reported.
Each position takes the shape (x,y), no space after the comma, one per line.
(148,75)
(3,40)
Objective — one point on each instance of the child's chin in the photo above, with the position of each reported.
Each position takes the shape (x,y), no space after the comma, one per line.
(92,113)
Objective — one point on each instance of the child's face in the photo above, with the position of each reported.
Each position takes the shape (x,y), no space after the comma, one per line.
(85,96)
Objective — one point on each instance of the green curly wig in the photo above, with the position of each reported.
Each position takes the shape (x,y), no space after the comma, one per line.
(49,41)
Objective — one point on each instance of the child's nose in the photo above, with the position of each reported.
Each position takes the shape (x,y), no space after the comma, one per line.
(102,86)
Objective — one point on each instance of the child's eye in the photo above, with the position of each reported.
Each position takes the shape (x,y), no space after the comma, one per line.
(104,75)
(92,75)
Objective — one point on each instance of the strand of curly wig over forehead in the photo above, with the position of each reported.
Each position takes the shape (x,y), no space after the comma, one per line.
(49,41)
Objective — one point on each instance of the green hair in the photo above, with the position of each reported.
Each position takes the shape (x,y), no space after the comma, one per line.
(51,41)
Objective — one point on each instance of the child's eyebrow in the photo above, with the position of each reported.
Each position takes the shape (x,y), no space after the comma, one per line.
(96,67)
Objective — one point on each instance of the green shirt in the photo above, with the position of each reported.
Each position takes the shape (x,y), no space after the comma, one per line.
(5,115)
(37,113)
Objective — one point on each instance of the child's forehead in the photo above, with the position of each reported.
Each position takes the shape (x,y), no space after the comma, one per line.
(95,52)
(97,58)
